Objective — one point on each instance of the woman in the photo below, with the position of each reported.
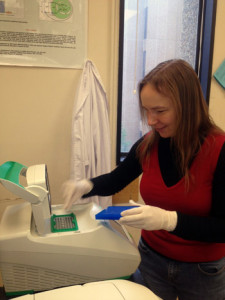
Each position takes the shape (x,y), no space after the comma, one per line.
(182,159)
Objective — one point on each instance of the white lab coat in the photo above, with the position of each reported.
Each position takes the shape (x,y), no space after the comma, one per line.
(90,131)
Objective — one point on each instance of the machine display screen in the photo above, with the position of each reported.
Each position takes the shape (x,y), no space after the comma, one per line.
(121,229)
(48,189)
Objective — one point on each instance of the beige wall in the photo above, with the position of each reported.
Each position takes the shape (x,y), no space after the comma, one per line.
(36,103)
(217,94)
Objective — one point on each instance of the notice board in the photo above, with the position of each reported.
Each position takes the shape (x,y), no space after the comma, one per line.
(43,33)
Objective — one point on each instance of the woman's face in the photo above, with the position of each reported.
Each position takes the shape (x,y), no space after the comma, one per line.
(159,110)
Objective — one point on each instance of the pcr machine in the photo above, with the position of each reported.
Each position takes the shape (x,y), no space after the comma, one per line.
(101,290)
(43,247)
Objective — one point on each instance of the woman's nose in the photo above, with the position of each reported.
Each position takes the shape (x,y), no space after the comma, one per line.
(151,118)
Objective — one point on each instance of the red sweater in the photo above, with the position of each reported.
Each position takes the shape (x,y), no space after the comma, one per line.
(196,201)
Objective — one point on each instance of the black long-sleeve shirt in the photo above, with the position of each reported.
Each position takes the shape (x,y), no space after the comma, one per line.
(205,229)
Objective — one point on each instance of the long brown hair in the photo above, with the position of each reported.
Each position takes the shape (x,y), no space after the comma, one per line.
(177,80)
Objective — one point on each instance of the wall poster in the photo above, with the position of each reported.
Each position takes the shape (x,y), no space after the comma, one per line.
(43,33)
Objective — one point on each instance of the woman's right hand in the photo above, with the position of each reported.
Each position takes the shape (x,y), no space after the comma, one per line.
(73,190)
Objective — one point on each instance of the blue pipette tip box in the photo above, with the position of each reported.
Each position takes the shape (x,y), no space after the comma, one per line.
(112,212)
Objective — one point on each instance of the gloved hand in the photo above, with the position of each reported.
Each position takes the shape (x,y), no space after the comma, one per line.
(149,217)
(74,190)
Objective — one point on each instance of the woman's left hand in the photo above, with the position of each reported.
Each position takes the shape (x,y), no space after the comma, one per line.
(149,217)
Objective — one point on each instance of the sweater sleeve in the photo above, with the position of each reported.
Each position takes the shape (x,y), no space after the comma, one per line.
(113,182)
(211,228)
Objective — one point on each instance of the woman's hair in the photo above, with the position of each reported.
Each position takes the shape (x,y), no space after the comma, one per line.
(177,80)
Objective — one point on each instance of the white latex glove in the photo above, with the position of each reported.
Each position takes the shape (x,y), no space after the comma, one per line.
(74,190)
(149,217)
